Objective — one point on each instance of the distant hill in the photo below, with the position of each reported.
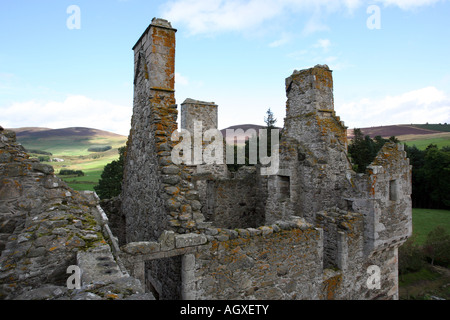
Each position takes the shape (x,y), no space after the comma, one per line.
(415,134)
(419,135)
(67,141)
(40,133)
(69,148)
(394,130)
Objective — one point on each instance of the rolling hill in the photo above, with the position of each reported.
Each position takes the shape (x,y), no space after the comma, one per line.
(419,135)
(68,141)
(70,147)
(395,130)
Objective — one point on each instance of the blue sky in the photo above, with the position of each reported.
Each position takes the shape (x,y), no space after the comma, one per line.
(235,53)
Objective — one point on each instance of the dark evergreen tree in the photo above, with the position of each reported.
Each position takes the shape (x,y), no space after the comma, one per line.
(110,183)
(363,150)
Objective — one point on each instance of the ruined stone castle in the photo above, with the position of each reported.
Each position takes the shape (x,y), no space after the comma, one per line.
(314,230)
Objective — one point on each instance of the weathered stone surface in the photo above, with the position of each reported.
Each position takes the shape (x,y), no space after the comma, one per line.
(167,240)
(44,226)
(189,240)
(134,248)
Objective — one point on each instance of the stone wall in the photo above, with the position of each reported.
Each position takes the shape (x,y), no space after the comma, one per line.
(314,142)
(45,227)
(384,197)
(117,222)
(154,189)
(195,110)
(281,261)
(235,202)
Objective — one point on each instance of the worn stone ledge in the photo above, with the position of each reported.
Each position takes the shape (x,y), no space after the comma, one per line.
(132,259)
(169,242)
(220,234)
(136,248)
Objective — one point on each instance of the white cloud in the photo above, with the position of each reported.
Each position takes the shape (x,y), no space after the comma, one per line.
(419,106)
(314,25)
(409,4)
(324,44)
(285,38)
(214,16)
(74,111)
(209,16)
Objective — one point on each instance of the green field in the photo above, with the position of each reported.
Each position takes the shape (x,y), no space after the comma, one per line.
(72,146)
(92,167)
(425,220)
(86,182)
(422,144)
(430,281)
(64,147)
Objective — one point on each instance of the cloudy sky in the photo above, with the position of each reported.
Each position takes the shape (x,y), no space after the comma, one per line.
(70,63)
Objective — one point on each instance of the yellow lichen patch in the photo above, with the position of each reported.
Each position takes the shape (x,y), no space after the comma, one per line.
(323,78)
(331,285)
(112,296)
(331,125)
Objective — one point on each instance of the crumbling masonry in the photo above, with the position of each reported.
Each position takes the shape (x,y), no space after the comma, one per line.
(313,231)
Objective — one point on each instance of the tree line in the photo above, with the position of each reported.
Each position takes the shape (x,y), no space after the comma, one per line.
(430,176)
(69,172)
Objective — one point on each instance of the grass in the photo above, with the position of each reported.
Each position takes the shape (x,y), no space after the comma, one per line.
(430,280)
(425,220)
(76,156)
(65,147)
(86,182)
(414,277)
(422,142)
(424,284)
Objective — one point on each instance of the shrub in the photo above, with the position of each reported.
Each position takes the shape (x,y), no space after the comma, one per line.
(110,183)
(45,153)
(410,257)
(437,246)
(68,172)
(99,148)
(44,158)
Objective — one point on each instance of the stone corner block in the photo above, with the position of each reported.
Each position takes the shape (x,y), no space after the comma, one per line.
(190,240)
(167,240)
